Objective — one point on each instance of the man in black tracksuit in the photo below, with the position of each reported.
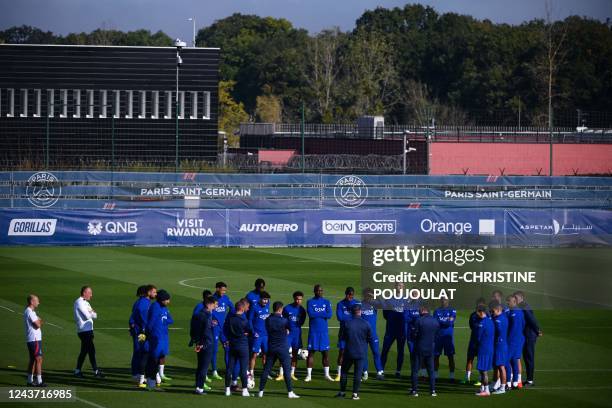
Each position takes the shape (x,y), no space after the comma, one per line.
(203,338)
(425,330)
(277,328)
(356,333)
(532,332)
(236,330)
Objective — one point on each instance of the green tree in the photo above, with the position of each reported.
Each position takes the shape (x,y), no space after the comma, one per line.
(231,113)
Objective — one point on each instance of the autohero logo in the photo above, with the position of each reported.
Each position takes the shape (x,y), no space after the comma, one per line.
(43,189)
(269,228)
(189,227)
(97,227)
(350,227)
(32,227)
(350,191)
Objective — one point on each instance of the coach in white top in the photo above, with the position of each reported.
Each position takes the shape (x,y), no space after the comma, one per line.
(33,323)
(84,316)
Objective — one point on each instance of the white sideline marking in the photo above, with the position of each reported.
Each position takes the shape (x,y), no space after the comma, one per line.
(127,328)
(93,404)
(182,282)
(55,325)
(10,310)
(571,370)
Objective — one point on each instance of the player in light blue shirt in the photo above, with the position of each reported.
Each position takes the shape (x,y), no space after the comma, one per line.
(296,315)
(319,311)
(344,313)
(369,313)
(500,355)
(516,341)
(485,347)
(445,341)
(258,313)
(219,313)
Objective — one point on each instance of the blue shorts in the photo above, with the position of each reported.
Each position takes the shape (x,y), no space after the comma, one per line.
(35,349)
(472,350)
(260,344)
(156,349)
(446,344)
(165,348)
(485,361)
(515,350)
(294,339)
(341,344)
(318,341)
(501,355)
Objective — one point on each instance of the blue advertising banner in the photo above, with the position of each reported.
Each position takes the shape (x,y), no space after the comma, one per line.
(324,227)
(107,190)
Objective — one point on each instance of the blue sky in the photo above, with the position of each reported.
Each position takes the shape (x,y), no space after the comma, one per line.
(64,16)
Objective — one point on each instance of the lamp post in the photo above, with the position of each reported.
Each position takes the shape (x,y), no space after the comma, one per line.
(193,20)
(179,45)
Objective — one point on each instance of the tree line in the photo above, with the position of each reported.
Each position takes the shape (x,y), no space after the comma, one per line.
(408,64)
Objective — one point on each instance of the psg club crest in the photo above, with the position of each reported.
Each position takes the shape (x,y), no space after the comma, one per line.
(350,191)
(43,189)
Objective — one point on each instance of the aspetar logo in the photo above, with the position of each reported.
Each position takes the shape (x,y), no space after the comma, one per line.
(43,189)
(350,191)
(350,227)
(555,228)
(97,227)
(32,227)
(189,227)
(269,228)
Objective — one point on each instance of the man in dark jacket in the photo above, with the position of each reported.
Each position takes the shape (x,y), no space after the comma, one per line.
(356,333)
(236,330)
(203,337)
(532,332)
(277,328)
(425,331)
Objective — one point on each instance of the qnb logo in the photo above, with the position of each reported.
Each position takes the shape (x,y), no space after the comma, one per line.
(97,227)
(350,191)
(335,227)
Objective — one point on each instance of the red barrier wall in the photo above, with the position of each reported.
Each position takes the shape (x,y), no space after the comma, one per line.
(519,158)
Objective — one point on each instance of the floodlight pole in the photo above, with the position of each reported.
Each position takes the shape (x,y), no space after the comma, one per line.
(179,61)
(193,20)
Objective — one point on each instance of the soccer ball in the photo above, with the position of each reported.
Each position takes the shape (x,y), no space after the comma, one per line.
(303,354)
(250,382)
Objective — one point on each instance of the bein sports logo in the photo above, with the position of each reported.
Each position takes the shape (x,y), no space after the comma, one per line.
(43,189)
(352,227)
(350,191)
(97,227)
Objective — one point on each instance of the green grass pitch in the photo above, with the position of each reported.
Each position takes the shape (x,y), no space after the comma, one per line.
(574,358)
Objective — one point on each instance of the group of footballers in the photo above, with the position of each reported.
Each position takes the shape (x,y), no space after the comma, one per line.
(501,333)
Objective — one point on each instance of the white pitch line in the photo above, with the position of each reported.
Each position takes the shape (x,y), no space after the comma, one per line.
(55,325)
(126,328)
(93,404)
(182,282)
(572,370)
(9,309)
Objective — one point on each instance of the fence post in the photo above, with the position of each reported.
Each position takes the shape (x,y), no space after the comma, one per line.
(302,136)
(47,141)
(113,142)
